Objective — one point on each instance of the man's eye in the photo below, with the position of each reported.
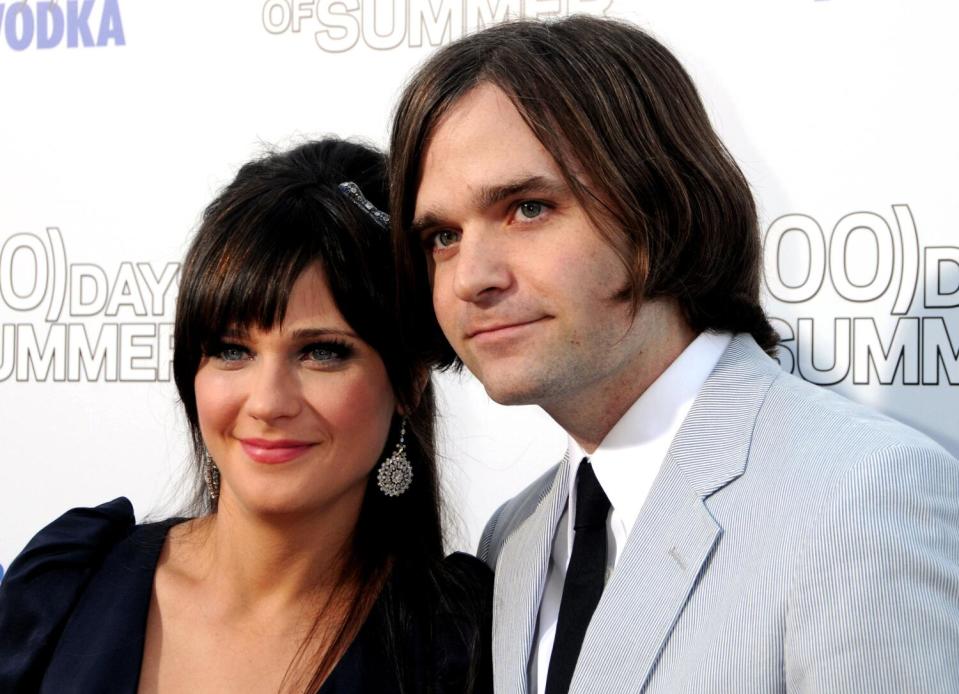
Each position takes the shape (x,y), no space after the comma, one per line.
(530,209)
(445,238)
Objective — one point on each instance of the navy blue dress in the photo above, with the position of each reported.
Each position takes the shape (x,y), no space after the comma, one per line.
(74,605)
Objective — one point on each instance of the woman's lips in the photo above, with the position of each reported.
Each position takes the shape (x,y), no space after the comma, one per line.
(274,452)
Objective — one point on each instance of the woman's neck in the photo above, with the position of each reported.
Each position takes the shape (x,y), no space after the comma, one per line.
(269,593)
(258,564)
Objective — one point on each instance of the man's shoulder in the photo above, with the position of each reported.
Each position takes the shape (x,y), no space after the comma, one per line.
(511,515)
(793,410)
(823,418)
(810,434)
(822,446)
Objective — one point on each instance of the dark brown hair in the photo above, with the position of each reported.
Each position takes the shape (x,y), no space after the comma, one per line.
(627,129)
(280,215)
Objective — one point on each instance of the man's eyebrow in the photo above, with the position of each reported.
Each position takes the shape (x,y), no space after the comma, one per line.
(427,220)
(487,196)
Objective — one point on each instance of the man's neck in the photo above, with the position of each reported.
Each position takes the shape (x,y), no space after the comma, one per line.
(590,413)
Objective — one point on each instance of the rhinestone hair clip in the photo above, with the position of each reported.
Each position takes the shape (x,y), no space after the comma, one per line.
(353,192)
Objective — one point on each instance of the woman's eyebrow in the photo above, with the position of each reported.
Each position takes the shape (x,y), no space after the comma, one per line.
(314,333)
(234,333)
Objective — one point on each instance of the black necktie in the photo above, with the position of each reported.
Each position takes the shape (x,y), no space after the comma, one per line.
(585,578)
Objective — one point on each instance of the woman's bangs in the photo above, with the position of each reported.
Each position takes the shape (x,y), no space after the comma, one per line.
(251,288)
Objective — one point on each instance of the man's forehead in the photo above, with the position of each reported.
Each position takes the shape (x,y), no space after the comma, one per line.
(480,148)
(462,132)
(485,99)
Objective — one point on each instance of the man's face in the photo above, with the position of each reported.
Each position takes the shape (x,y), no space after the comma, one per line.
(523,284)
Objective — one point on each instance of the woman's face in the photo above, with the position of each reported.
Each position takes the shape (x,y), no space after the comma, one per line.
(297,416)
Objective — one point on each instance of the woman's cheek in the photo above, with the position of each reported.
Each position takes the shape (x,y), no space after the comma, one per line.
(218,402)
(360,410)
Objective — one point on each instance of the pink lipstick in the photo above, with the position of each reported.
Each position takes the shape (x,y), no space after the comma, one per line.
(274,451)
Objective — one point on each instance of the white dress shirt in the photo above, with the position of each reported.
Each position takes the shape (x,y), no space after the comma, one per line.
(626,462)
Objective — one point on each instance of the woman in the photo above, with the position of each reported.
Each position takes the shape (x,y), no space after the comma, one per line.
(314,560)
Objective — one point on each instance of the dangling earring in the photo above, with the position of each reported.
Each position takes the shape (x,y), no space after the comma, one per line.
(211,476)
(396,472)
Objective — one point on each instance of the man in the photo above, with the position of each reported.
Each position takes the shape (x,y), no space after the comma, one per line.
(717,525)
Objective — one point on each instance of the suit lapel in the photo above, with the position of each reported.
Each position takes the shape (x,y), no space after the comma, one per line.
(675,534)
(667,548)
(518,589)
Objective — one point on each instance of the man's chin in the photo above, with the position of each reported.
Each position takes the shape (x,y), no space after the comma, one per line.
(511,381)
(512,392)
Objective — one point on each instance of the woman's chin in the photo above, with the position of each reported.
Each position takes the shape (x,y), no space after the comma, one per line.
(285,503)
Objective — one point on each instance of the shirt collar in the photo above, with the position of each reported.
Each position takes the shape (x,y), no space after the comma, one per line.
(636,446)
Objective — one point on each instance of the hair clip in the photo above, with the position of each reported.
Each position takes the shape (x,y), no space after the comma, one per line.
(353,192)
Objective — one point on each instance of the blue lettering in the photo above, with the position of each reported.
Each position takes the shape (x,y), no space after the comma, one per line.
(111,26)
(25,13)
(49,34)
(48,21)
(78,23)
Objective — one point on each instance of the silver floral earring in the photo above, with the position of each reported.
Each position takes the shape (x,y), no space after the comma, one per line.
(396,472)
(211,476)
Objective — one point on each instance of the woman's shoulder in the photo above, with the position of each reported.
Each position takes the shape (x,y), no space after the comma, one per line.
(72,543)
(465,596)
(457,587)
(462,625)
(43,583)
(463,572)
(467,565)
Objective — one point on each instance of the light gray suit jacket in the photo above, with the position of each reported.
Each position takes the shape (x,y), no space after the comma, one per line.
(792,542)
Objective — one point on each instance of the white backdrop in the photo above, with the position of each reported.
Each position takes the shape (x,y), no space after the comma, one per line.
(121,119)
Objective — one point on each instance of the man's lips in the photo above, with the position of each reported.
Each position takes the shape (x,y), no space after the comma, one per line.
(500,329)
(272,451)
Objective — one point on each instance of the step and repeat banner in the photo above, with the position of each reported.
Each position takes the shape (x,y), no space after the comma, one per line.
(122,118)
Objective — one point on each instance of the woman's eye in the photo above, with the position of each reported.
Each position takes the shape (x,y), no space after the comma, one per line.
(530,209)
(319,354)
(327,353)
(231,353)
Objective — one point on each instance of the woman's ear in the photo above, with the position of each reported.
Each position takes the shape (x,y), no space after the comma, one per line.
(421,379)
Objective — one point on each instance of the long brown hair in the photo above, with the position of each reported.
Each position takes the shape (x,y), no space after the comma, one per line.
(627,129)
(280,215)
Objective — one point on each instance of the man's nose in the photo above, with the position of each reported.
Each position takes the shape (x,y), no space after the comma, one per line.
(482,265)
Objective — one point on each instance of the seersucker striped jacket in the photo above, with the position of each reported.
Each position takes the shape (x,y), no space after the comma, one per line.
(793,541)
